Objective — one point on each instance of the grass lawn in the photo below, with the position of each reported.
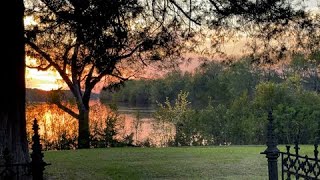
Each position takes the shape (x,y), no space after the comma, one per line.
(226,162)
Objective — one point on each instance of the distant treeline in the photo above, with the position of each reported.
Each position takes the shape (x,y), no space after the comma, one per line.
(229,103)
(214,82)
(38,95)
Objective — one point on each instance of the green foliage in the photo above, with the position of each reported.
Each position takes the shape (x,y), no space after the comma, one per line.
(269,95)
(212,121)
(212,80)
(110,130)
(65,142)
(294,109)
(174,113)
(177,114)
(243,125)
(230,103)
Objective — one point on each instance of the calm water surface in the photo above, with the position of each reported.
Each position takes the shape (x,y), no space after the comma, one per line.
(55,123)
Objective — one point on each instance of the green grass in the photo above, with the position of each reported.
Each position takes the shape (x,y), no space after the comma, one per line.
(232,162)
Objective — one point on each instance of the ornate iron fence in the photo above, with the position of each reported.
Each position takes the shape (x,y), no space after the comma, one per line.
(296,166)
(34,169)
(293,165)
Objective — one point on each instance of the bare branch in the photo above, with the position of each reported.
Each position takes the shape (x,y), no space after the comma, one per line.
(74,63)
(141,59)
(218,8)
(184,13)
(67,110)
(89,75)
(129,54)
(119,77)
(105,72)
(65,58)
(55,65)
(40,68)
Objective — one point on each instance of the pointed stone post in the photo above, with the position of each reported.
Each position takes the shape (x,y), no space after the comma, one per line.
(37,163)
(272,152)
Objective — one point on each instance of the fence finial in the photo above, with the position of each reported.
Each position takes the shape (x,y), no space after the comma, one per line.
(37,163)
(272,152)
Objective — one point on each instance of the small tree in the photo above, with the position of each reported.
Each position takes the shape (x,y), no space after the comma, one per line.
(177,115)
(110,130)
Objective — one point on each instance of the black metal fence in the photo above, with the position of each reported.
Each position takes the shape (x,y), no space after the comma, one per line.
(296,166)
(34,169)
(293,165)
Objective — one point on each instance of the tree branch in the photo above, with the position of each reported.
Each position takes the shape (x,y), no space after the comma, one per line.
(40,68)
(55,65)
(218,8)
(74,63)
(129,54)
(184,13)
(65,58)
(74,73)
(105,72)
(89,75)
(67,110)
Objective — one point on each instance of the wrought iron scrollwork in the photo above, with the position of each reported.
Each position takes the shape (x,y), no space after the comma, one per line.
(293,165)
(297,166)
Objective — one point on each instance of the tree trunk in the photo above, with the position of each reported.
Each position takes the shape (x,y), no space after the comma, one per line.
(12,104)
(83,138)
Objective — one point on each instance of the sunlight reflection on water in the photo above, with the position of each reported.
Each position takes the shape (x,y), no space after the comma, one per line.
(55,123)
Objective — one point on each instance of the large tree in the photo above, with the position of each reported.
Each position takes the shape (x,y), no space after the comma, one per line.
(87,40)
(12,105)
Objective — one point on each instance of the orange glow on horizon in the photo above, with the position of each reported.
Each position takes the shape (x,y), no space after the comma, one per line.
(44,80)
(47,80)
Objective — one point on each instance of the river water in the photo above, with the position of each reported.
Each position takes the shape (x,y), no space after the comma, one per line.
(55,124)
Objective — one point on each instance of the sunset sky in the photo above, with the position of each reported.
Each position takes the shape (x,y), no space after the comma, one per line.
(45,80)
(48,80)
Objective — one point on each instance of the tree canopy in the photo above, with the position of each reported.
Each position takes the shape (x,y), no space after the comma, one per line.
(88,40)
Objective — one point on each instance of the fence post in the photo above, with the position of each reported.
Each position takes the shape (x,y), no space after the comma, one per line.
(37,163)
(272,152)
(316,143)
